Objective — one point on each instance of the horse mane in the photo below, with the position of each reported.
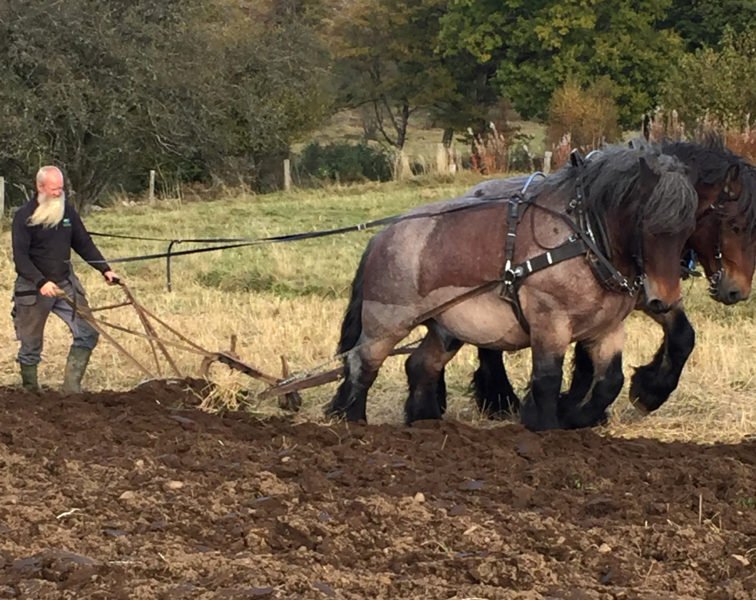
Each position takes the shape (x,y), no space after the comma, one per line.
(747,200)
(611,180)
(710,160)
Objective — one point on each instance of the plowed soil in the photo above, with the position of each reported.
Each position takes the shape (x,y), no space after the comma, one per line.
(141,495)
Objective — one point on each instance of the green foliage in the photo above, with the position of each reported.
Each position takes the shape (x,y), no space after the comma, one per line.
(521,155)
(538,45)
(386,59)
(343,162)
(724,81)
(703,22)
(589,115)
(194,89)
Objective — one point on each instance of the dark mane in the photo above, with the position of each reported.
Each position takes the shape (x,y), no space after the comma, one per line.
(611,179)
(747,200)
(710,161)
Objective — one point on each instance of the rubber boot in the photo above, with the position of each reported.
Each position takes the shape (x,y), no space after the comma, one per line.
(29,377)
(76,365)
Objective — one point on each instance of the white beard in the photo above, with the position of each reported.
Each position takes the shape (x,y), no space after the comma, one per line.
(49,211)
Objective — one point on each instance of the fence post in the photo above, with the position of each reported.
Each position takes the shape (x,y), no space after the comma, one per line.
(547,162)
(287,174)
(2,197)
(402,168)
(442,159)
(152,185)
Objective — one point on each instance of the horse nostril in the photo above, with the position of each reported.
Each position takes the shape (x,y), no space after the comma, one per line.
(734,296)
(657,306)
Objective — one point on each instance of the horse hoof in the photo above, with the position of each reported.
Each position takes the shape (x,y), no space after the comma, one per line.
(332,411)
(577,419)
(534,421)
(409,419)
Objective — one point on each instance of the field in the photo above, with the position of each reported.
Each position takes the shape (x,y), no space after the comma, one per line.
(138,494)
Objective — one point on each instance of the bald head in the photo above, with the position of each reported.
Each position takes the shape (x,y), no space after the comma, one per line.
(50,182)
(51,200)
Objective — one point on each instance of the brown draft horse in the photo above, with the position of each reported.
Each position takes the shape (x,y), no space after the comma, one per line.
(724,242)
(511,275)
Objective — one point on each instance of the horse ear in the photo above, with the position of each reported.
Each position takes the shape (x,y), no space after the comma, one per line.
(648,178)
(576,158)
(732,174)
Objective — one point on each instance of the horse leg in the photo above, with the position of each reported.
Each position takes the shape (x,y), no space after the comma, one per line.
(582,379)
(360,370)
(539,408)
(425,370)
(605,357)
(652,384)
(441,392)
(494,394)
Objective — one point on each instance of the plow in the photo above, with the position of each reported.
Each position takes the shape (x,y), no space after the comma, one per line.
(285,388)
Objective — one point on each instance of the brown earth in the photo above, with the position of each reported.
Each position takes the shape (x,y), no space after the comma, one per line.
(140,495)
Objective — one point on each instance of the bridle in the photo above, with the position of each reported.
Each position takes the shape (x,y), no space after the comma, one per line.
(725,196)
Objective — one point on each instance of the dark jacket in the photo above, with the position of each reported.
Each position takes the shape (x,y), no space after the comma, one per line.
(44,254)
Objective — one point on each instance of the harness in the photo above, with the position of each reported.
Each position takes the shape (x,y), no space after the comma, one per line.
(589,238)
(725,195)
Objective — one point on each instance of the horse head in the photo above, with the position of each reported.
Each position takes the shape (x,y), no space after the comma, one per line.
(667,208)
(725,236)
(647,202)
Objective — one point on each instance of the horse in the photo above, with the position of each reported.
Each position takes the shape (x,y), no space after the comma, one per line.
(561,264)
(724,242)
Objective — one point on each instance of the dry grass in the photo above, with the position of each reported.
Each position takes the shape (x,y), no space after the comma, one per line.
(289,299)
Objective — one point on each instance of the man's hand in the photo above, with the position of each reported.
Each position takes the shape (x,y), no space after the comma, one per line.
(111,277)
(50,290)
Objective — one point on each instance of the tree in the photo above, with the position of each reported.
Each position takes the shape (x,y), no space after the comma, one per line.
(385,58)
(538,45)
(724,80)
(703,22)
(194,88)
(65,98)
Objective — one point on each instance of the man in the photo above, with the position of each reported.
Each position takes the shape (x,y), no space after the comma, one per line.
(45,229)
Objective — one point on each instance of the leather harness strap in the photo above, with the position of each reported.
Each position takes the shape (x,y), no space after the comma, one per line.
(581,243)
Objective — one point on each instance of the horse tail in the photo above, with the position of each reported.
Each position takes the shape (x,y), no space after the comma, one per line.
(351,326)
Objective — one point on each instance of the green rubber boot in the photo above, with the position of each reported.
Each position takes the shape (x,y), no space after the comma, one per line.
(29,377)
(76,365)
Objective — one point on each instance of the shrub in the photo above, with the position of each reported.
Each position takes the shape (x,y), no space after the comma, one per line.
(491,148)
(740,139)
(343,162)
(520,157)
(589,115)
(717,83)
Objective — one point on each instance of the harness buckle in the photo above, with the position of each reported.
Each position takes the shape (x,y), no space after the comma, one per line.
(509,277)
(636,286)
(514,207)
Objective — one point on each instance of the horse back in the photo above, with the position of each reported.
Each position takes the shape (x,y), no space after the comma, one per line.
(414,257)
